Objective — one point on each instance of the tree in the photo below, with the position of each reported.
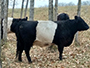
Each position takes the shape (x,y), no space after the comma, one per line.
(62,4)
(5,20)
(86,3)
(13,2)
(2,17)
(56,10)
(22,8)
(50,10)
(26,8)
(13,8)
(78,14)
(70,4)
(31,16)
(79,7)
(0,34)
(4,14)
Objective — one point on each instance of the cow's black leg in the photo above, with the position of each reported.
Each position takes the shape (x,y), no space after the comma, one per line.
(27,54)
(20,54)
(19,51)
(60,49)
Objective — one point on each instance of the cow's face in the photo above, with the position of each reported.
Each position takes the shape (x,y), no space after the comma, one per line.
(81,24)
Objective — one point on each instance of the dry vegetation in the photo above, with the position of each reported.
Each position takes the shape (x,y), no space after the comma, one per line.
(75,56)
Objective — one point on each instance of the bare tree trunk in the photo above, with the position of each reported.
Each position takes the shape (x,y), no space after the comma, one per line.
(3,15)
(26,8)
(51,17)
(22,8)
(5,18)
(78,14)
(31,16)
(56,10)
(0,32)
(13,8)
(50,10)
(79,7)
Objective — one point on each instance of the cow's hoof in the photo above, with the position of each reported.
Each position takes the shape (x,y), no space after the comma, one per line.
(30,62)
(17,61)
(20,60)
(60,58)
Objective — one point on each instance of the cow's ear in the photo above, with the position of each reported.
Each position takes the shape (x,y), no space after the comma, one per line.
(76,17)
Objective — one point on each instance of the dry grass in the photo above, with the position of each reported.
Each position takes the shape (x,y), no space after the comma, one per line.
(75,56)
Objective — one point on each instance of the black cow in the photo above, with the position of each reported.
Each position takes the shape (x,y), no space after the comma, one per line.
(60,33)
(62,16)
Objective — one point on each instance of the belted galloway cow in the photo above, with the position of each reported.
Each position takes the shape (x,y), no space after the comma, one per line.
(44,33)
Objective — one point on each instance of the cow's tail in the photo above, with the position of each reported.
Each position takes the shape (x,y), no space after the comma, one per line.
(19,39)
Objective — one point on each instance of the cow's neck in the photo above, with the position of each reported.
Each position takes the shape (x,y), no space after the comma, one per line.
(73,26)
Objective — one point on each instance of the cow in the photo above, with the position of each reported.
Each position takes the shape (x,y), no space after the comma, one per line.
(62,17)
(44,33)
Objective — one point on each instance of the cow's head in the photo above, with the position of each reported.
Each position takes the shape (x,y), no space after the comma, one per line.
(62,16)
(81,24)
